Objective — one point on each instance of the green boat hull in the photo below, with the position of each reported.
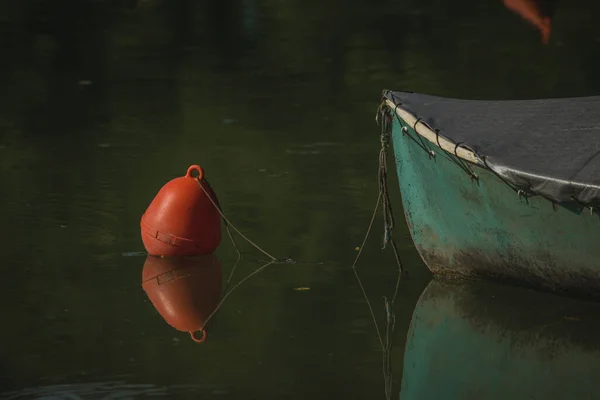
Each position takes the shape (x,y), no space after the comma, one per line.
(487,341)
(483,229)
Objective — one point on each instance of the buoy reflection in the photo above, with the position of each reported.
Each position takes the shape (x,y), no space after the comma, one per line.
(184,291)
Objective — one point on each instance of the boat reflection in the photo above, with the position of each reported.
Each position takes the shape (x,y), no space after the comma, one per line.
(487,341)
(184,291)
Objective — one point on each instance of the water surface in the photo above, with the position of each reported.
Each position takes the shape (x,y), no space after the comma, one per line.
(102,104)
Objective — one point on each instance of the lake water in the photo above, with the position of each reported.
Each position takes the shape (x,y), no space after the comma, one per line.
(103,103)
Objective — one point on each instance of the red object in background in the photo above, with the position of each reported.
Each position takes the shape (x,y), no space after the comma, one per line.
(181,220)
(531,11)
(184,291)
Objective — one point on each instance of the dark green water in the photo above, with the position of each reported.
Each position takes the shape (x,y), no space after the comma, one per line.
(102,104)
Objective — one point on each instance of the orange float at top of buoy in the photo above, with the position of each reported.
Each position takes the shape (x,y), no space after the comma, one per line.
(182,220)
(184,291)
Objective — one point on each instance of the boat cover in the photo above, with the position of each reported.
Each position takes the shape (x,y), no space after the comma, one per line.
(549,147)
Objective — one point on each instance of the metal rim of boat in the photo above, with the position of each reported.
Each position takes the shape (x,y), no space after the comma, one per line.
(462,152)
(439,140)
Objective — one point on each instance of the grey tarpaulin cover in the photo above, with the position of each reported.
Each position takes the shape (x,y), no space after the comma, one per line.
(550,147)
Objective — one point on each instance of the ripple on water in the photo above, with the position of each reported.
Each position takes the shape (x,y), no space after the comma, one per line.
(104,390)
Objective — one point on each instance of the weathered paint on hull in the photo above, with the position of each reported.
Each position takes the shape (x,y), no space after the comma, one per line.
(483,229)
(487,341)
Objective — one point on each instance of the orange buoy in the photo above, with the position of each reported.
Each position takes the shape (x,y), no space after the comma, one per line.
(184,291)
(182,220)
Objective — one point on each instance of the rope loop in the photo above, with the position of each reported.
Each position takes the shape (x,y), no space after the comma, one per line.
(437,138)
(415,124)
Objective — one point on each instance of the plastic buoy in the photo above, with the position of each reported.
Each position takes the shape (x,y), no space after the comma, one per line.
(181,220)
(184,291)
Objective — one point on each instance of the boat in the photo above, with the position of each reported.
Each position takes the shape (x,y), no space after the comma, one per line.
(474,340)
(502,190)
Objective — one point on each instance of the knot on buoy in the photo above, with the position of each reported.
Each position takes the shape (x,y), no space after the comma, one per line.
(184,291)
(182,220)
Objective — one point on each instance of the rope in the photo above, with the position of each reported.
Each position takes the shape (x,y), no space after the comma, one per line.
(388,215)
(584,205)
(388,219)
(383,111)
(239,253)
(232,272)
(421,143)
(273,260)
(228,223)
(464,165)
(362,288)
(516,189)
(387,353)
(218,206)
(232,289)
(449,157)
